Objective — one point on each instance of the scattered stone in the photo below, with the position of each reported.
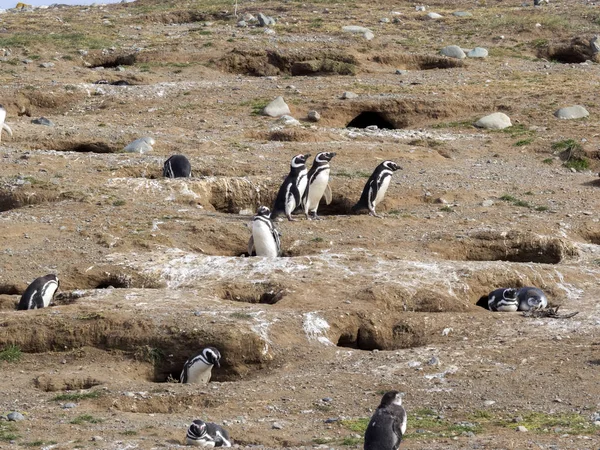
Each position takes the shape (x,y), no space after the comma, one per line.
(96,438)
(327,399)
(478,52)
(412,364)
(434,361)
(517,419)
(595,44)
(434,16)
(277,426)
(355,29)
(420,8)
(348,95)
(27,61)
(487,203)
(522,429)
(571,112)
(313,116)
(371,128)
(489,402)
(15,416)
(276,108)
(69,405)
(453,51)
(384,20)
(495,121)
(270,31)
(446,331)
(265,21)
(249,18)
(242,24)
(462,14)
(332,420)
(43,121)
(47,65)
(288,121)
(141,145)
(401,72)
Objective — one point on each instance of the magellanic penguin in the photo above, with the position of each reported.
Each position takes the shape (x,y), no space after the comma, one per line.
(387,425)
(531,298)
(177,166)
(317,184)
(198,370)
(207,434)
(3,126)
(264,240)
(376,187)
(503,300)
(291,191)
(39,293)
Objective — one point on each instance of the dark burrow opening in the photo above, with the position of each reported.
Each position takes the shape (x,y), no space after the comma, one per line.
(369,118)
(401,335)
(9,289)
(568,55)
(87,147)
(263,293)
(111,61)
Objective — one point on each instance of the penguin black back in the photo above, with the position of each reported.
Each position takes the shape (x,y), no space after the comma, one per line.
(39,293)
(387,425)
(375,188)
(177,166)
(291,191)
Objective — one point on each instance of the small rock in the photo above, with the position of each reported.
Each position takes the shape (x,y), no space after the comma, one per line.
(43,121)
(15,416)
(453,51)
(276,108)
(441,201)
(478,52)
(495,121)
(401,72)
(69,405)
(313,116)
(489,402)
(517,419)
(242,24)
(96,438)
(27,61)
(265,21)
(354,29)
(434,361)
(420,8)
(595,44)
(462,14)
(571,112)
(249,18)
(487,203)
(521,428)
(141,145)
(47,65)
(371,128)
(277,426)
(332,420)
(446,331)
(414,364)
(327,399)
(434,16)
(384,20)
(348,95)
(288,121)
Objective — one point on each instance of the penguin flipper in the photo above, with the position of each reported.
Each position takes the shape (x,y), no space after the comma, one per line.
(250,245)
(328,195)
(7,128)
(276,235)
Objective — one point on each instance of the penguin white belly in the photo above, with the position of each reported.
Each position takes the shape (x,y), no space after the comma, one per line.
(199,443)
(382,190)
(316,190)
(264,244)
(199,374)
(48,293)
(302,182)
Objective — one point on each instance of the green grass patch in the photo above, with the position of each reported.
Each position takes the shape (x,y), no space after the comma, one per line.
(58,40)
(118,203)
(8,431)
(459,124)
(317,239)
(579,164)
(77,396)
(10,353)
(357,425)
(446,209)
(129,433)
(257,105)
(548,161)
(523,142)
(85,418)
(348,441)
(38,443)
(567,144)
(541,208)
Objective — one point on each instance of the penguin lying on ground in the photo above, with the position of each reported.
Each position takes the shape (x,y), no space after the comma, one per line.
(264,240)
(198,370)
(291,191)
(317,184)
(387,425)
(376,187)
(522,299)
(39,293)
(207,434)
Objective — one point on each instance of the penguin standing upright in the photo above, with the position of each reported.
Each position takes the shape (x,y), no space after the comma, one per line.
(376,187)
(3,126)
(177,166)
(198,370)
(317,184)
(503,299)
(264,240)
(387,425)
(207,434)
(291,191)
(39,293)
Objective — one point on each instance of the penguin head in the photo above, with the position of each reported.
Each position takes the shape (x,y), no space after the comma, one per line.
(212,355)
(532,298)
(391,398)
(197,428)
(510,293)
(299,160)
(324,157)
(391,165)
(263,211)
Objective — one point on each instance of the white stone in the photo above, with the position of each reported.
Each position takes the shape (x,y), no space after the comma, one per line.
(434,16)
(288,121)
(314,116)
(478,52)
(276,108)
(349,94)
(141,145)
(453,51)
(487,203)
(495,121)
(571,112)
(355,29)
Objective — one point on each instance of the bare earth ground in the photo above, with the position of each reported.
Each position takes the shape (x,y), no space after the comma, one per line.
(151,271)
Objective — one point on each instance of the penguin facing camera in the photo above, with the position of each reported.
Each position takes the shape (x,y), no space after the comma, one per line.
(264,240)
(318,184)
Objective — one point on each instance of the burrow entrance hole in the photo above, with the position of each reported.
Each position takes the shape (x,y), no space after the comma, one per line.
(402,335)
(568,55)
(263,293)
(111,61)
(85,147)
(369,118)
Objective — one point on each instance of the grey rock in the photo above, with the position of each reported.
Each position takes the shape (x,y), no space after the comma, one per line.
(401,72)
(141,145)
(462,14)
(348,95)
(276,108)
(372,128)
(595,44)
(265,21)
(15,416)
(249,18)
(27,61)
(434,361)
(489,402)
(571,112)
(420,8)
(43,121)
(434,16)
(495,121)
(384,20)
(277,426)
(478,52)
(69,405)
(355,29)
(313,116)
(453,51)
(288,121)
(522,429)
(487,203)
(47,65)
(517,419)
(242,24)
(327,399)
(96,438)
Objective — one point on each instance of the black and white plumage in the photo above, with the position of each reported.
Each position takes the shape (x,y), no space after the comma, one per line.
(387,425)
(198,370)
(317,184)
(39,293)
(503,300)
(3,126)
(531,298)
(207,434)
(264,240)
(291,191)
(177,166)
(376,187)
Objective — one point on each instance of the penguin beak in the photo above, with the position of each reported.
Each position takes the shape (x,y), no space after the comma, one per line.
(307,156)
(217,364)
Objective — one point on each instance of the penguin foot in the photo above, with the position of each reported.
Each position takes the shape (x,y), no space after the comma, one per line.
(374,214)
(291,219)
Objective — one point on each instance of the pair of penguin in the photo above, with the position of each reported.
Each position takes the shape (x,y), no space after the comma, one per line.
(523,299)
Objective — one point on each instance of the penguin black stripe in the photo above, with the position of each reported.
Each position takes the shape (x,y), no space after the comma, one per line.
(318,184)
(376,187)
(292,189)
(207,434)
(177,166)
(39,293)
(387,425)
(199,368)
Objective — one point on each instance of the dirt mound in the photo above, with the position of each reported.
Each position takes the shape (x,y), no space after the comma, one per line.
(577,51)
(417,62)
